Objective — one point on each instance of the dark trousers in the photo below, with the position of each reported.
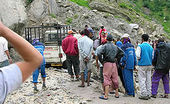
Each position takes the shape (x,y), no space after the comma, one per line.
(73,61)
(120,73)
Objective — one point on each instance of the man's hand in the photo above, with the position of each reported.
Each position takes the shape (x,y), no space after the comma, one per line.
(10,60)
(97,65)
(86,59)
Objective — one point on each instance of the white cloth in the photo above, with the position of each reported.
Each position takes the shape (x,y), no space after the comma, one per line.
(3,48)
(144,75)
(10,79)
(97,51)
(85,46)
(77,36)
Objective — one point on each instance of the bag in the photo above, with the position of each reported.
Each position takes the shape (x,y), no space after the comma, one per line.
(96,44)
(163,57)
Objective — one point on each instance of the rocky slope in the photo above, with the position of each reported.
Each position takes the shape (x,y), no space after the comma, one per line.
(116,18)
(109,13)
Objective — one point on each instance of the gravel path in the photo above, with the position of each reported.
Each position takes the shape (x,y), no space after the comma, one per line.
(61,90)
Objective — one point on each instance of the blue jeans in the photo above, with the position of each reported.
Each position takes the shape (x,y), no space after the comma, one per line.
(36,73)
(4,63)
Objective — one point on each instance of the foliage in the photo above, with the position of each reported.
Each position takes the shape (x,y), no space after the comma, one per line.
(160,9)
(81,3)
(28,2)
(53,15)
(69,21)
(76,16)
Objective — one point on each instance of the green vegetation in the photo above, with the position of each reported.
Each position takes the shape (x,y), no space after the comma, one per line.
(159,9)
(81,3)
(28,2)
(76,16)
(53,15)
(69,21)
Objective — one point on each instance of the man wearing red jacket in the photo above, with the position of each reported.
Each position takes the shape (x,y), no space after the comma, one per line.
(70,48)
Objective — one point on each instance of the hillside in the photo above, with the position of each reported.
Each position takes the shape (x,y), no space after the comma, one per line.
(156,9)
(137,11)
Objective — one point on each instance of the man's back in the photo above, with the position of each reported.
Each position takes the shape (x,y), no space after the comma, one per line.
(85,45)
(146,54)
(69,45)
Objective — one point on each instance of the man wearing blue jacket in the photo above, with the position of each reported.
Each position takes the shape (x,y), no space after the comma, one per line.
(40,47)
(128,63)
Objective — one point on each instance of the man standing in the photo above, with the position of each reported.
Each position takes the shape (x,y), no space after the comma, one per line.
(5,58)
(85,46)
(144,55)
(161,62)
(107,56)
(40,47)
(128,63)
(70,48)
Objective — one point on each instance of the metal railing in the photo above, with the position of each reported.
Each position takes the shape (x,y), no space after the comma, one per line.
(47,32)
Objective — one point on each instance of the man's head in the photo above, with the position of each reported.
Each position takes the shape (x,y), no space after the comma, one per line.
(160,40)
(91,32)
(102,27)
(145,37)
(74,30)
(70,32)
(86,26)
(109,37)
(35,41)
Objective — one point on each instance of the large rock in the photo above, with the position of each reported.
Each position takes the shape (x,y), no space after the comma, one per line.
(12,11)
(38,10)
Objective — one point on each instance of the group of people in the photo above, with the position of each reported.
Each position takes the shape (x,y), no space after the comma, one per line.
(115,59)
(111,60)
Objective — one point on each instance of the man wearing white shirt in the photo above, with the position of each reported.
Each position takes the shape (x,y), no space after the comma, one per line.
(5,58)
(144,55)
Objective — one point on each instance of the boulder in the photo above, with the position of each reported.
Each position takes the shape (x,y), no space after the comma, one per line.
(12,12)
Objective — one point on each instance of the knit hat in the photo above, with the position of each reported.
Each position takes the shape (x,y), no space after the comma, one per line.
(109,37)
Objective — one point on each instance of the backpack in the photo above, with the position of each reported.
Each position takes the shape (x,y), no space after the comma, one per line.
(163,57)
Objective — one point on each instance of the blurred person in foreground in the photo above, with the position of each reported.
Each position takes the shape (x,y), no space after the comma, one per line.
(12,76)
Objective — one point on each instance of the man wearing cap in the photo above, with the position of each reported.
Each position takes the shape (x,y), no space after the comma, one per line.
(144,55)
(70,48)
(128,63)
(107,56)
(40,47)
(85,46)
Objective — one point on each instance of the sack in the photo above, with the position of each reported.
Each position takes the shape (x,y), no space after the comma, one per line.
(96,44)
(163,57)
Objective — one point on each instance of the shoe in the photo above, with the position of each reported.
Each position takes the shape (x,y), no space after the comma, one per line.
(36,90)
(103,98)
(116,96)
(77,79)
(153,96)
(72,78)
(144,97)
(126,95)
(111,92)
(44,87)
(164,96)
(81,86)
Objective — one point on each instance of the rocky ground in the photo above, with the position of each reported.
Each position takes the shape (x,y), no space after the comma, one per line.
(61,90)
